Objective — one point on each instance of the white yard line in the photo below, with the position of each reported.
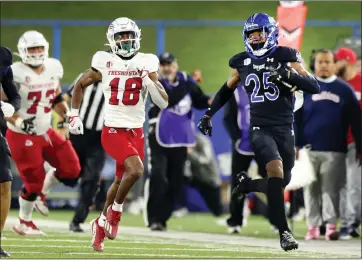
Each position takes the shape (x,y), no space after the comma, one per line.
(343,248)
(123,254)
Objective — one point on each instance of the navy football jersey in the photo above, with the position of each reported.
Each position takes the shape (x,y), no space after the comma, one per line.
(270,105)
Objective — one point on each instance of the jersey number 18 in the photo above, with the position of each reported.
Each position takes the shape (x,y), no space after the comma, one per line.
(131,94)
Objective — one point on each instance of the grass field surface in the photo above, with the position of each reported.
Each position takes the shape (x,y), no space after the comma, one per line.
(194,236)
(205,48)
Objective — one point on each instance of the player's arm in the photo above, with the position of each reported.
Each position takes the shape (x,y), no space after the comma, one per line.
(156,90)
(221,97)
(88,78)
(303,79)
(224,94)
(11,90)
(59,105)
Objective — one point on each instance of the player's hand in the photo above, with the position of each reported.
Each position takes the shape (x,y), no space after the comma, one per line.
(205,125)
(8,109)
(27,125)
(280,76)
(75,125)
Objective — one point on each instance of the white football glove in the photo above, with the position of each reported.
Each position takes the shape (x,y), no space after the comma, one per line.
(7,109)
(75,125)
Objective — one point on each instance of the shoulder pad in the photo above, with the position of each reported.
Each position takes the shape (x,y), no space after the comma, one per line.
(57,66)
(6,57)
(288,54)
(99,60)
(237,60)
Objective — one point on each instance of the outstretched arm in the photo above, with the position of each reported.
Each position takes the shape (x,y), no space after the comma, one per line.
(224,94)
(156,90)
(303,79)
(221,97)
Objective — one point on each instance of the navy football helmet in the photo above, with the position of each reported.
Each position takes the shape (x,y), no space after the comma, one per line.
(268,28)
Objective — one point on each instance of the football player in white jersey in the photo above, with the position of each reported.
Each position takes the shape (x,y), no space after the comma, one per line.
(127,76)
(31,138)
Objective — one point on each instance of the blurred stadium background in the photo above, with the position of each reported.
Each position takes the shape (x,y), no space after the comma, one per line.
(202,35)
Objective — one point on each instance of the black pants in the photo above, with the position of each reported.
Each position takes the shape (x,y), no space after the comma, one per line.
(239,163)
(91,157)
(5,171)
(166,180)
(274,143)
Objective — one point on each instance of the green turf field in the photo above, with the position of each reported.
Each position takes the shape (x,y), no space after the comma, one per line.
(207,240)
(205,48)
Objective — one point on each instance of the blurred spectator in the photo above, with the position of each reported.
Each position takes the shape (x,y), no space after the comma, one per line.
(351,194)
(358,65)
(197,76)
(204,173)
(322,123)
(171,131)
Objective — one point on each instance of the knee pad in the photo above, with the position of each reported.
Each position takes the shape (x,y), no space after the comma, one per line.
(29,196)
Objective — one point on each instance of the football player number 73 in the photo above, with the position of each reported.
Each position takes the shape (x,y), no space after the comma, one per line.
(36,96)
(131,94)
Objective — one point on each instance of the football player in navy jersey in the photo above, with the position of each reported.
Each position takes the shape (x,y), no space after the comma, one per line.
(270,75)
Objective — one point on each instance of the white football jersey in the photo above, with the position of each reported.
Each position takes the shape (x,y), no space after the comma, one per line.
(123,88)
(37,92)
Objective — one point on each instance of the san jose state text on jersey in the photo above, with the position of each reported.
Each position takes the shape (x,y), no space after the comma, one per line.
(269,104)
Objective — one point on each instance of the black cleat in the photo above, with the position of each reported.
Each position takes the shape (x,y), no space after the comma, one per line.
(355,233)
(3,253)
(75,227)
(242,182)
(287,241)
(157,227)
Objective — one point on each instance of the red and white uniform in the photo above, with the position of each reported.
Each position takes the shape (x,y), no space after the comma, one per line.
(29,152)
(37,93)
(356,85)
(125,98)
(122,85)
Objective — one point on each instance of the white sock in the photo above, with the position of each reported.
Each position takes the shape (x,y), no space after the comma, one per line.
(101,220)
(50,181)
(117,207)
(26,209)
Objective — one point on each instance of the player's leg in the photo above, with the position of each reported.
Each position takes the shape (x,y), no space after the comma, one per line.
(27,153)
(97,225)
(158,183)
(131,156)
(266,150)
(60,154)
(333,172)
(239,163)
(5,186)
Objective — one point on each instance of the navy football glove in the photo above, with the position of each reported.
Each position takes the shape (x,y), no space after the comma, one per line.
(280,76)
(205,125)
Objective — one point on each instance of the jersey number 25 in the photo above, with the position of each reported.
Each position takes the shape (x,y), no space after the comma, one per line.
(255,96)
(131,94)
